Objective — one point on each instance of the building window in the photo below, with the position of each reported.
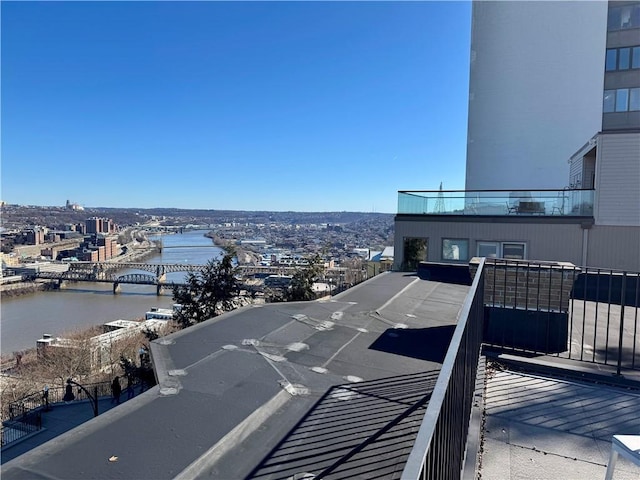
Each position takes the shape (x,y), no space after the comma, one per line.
(609,101)
(455,249)
(622,100)
(511,250)
(634,99)
(622,58)
(488,249)
(627,16)
(635,57)
(514,251)
(611,62)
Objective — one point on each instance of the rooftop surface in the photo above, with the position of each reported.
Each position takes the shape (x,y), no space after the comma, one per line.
(334,388)
(545,427)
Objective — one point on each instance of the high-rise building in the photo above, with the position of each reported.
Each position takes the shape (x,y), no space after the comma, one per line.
(621,105)
(535,90)
(551,84)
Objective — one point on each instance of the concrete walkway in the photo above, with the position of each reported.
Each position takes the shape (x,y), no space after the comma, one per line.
(61,418)
(539,428)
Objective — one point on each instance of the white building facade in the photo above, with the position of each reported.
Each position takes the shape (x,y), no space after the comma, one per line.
(535,90)
(553,159)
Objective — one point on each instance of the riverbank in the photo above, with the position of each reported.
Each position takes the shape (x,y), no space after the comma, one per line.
(135,254)
(25,318)
(244,256)
(25,288)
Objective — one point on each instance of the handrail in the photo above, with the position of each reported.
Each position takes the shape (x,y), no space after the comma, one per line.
(438,451)
(35,400)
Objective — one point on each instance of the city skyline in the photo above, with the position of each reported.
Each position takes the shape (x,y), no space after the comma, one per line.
(281,106)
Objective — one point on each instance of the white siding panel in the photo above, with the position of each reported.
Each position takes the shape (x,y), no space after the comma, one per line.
(575,169)
(618,180)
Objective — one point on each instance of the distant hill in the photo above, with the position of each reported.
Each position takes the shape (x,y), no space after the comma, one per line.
(14,216)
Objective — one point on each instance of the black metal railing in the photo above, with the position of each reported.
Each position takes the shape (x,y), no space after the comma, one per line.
(56,395)
(24,422)
(547,308)
(604,318)
(24,416)
(439,450)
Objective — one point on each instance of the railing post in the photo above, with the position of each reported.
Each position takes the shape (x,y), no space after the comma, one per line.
(623,289)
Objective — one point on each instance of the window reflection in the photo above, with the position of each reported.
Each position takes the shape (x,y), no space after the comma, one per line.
(634,99)
(622,99)
(609,101)
(627,16)
(623,61)
(513,251)
(622,58)
(455,249)
(611,62)
(635,58)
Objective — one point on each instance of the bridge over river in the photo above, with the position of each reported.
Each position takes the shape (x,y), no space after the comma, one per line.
(109,272)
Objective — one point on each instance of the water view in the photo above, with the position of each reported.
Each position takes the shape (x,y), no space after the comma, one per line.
(24,319)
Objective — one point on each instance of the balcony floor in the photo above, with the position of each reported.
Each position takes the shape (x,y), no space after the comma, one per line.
(540,427)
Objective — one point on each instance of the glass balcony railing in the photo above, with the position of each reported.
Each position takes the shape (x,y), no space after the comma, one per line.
(568,203)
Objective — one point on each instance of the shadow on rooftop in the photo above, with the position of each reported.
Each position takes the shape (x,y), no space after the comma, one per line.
(355,430)
(428,344)
(582,409)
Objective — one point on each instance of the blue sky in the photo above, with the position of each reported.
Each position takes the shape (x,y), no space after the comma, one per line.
(303,106)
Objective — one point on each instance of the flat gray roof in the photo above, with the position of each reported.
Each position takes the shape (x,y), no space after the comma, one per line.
(335,387)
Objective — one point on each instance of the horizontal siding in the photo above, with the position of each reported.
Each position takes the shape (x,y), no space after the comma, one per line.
(558,242)
(614,247)
(608,246)
(575,169)
(618,180)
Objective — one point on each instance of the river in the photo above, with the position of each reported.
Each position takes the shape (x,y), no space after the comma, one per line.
(25,318)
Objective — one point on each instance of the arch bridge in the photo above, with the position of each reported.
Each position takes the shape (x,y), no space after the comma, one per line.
(104,269)
(86,275)
(107,272)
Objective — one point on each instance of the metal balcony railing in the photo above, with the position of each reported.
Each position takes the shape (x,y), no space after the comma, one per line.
(438,452)
(529,308)
(578,313)
(565,202)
